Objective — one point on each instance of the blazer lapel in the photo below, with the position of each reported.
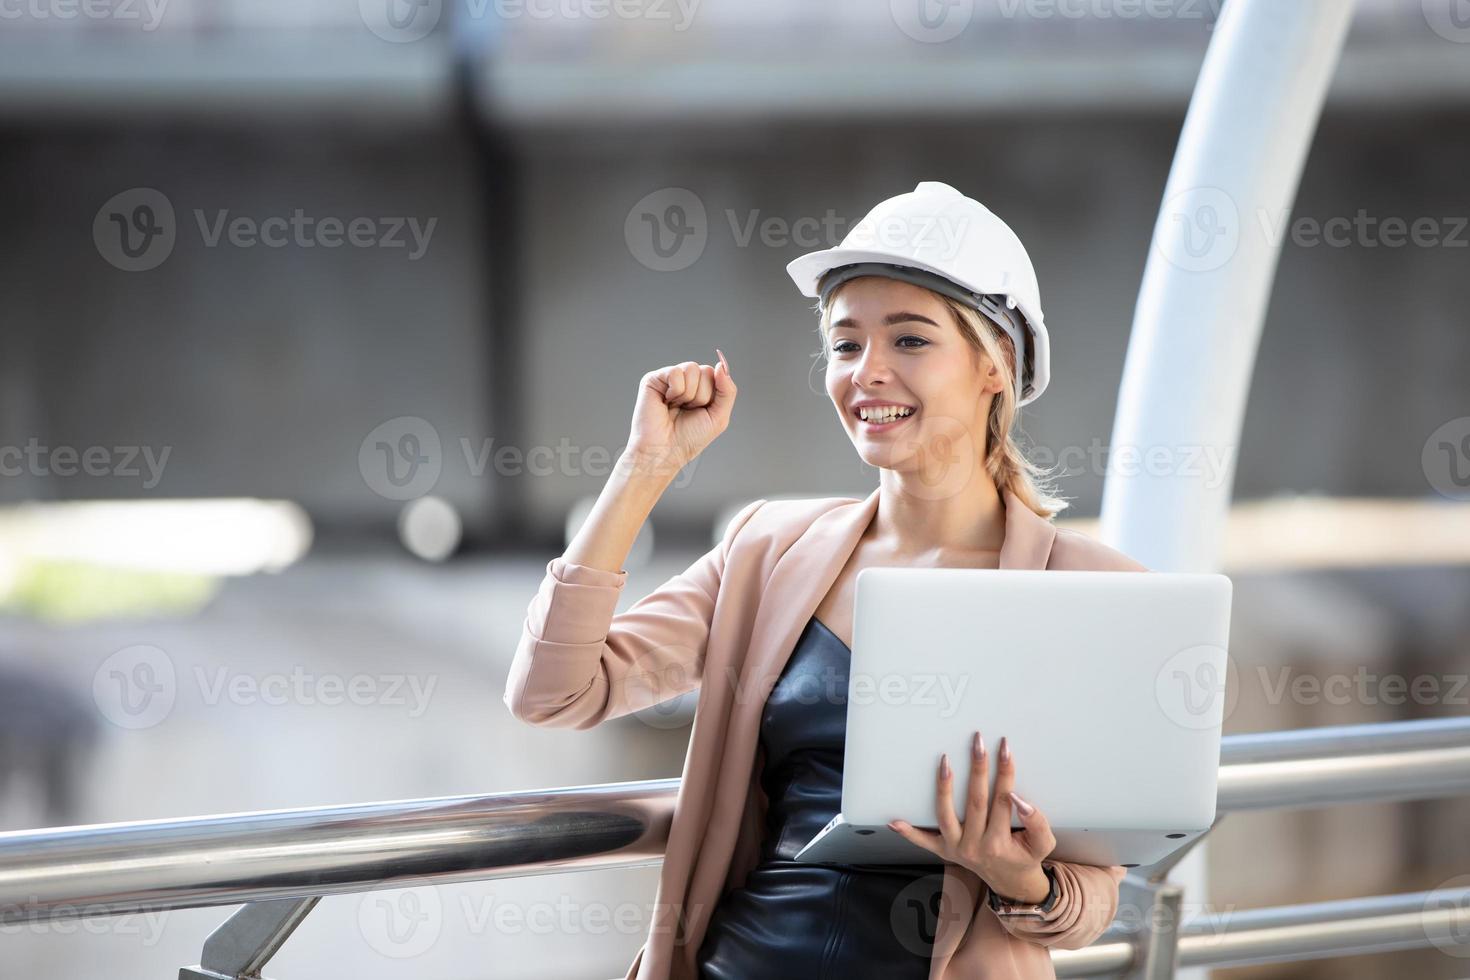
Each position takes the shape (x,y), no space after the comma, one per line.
(800,580)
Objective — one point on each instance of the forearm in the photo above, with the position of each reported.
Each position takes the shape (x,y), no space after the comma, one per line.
(1087,903)
(607,535)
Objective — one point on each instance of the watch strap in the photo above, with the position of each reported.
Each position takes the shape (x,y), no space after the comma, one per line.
(1009,906)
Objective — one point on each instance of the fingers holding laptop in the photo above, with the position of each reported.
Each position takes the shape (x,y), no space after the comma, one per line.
(1008,861)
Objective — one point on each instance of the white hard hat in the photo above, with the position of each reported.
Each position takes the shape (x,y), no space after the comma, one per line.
(936,237)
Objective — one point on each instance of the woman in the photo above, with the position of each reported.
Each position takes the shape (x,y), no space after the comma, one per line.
(920,341)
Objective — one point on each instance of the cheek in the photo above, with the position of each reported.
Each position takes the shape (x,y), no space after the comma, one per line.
(835,379)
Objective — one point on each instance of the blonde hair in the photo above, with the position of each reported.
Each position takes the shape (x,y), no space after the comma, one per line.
(1004,459)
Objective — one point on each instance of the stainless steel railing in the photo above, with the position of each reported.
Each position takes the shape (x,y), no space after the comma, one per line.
(280,859)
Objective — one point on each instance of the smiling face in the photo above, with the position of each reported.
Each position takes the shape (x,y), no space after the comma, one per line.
(893,344)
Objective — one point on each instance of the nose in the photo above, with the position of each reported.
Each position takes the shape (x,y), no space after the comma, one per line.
(872,367)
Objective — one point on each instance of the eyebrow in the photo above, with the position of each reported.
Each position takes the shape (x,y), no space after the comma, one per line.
(891,319)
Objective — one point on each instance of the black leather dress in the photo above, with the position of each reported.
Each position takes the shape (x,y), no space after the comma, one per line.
(813,921)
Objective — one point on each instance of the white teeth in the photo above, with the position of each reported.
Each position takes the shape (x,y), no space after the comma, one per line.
(885,414)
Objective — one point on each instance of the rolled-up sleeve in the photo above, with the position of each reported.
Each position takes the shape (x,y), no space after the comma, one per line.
(580,663)
(1087,902)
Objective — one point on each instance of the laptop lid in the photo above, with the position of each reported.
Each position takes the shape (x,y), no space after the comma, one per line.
(1110,687)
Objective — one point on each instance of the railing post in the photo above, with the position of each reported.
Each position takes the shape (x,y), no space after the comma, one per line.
(1161,906)
(241,947)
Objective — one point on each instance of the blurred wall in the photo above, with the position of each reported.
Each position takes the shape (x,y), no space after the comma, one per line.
(259,368)
(265,369)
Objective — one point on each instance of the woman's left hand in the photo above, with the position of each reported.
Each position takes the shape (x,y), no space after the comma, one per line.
(1009,862)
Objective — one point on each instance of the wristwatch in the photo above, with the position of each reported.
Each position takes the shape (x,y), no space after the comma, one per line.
(1010,907)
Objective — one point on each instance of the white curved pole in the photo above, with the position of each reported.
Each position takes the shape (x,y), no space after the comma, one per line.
(1210,268)
(1208,277)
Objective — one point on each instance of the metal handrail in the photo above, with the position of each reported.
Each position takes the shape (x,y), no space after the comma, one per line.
(1373,924)
(228,859)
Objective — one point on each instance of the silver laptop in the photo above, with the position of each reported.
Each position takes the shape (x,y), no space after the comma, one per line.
(1110,687)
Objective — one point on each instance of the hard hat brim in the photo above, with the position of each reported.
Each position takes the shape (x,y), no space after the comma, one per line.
(807,271)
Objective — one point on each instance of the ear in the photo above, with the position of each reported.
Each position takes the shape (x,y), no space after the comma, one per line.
(994,383)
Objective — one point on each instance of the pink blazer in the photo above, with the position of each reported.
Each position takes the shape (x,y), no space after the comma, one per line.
(727,625)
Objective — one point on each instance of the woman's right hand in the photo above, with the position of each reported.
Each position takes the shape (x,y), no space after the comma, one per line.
(681,409)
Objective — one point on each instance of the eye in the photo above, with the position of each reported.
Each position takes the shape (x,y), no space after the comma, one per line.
(847,346)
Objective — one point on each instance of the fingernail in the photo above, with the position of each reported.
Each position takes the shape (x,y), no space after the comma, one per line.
(944,766)
(1026,808)
(896,825)
(979,746)
(1005,749)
